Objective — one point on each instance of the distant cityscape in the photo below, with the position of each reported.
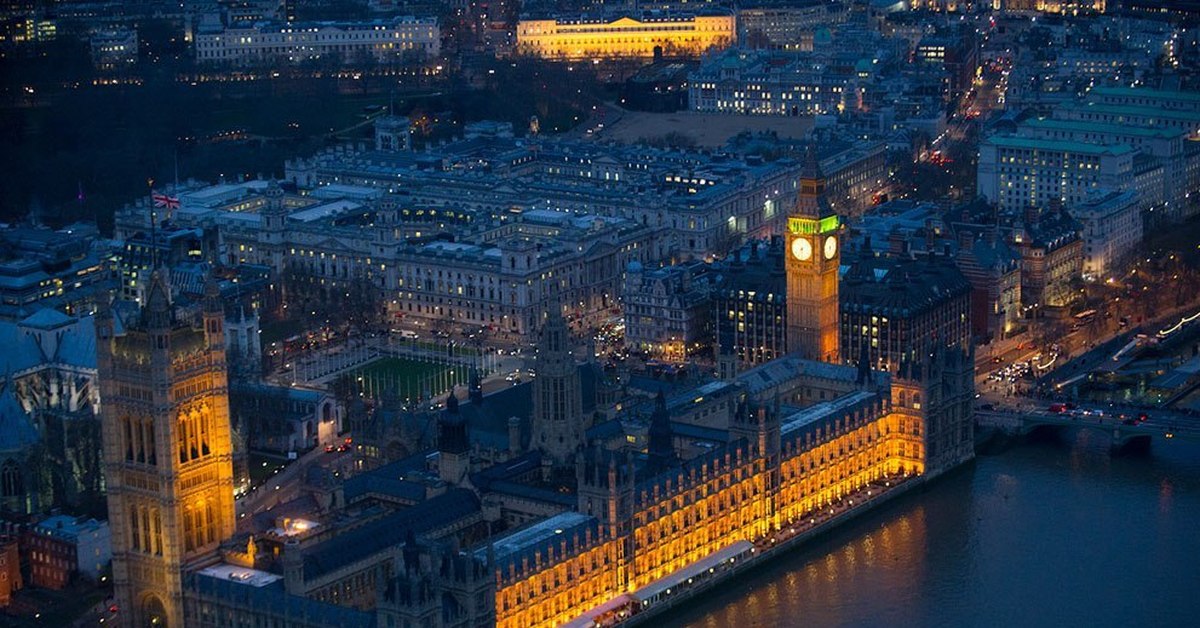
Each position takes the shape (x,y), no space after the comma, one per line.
(398,313)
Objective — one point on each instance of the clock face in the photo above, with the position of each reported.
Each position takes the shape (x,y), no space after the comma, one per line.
(802,249)
(830,247)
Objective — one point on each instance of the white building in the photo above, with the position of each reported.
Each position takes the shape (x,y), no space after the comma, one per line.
(1112,227)
(1019,172)
(381,40)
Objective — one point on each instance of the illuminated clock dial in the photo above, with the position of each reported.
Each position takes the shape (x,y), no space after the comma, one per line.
(802,249)
(830,247)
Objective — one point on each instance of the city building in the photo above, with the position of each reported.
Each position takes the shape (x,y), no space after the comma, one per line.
(954,55)
(750,308)
(43,268)
(61,547)
(167,448)
(897,309)
(759,82)
(244,44)
(1111,225)
(1051,250)
(635,35)
(497,271)
(10,568)
(708,204)
(786,26)
(1017,172)
(667,310)
(912,318)
(114,49)
(813,260)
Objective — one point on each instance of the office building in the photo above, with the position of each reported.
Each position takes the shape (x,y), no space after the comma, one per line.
(245,44)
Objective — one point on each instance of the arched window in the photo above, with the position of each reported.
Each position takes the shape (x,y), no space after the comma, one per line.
(10,480)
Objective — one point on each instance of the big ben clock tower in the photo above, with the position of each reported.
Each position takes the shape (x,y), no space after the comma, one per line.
(812,260)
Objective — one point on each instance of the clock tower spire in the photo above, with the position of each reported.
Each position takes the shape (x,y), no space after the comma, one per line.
(812,261)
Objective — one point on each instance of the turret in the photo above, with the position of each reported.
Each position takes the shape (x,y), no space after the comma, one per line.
(454,446)
(661,450)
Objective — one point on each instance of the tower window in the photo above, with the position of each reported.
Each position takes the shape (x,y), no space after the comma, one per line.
(10,480)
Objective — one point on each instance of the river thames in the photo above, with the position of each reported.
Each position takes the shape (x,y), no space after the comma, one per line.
(1051,532)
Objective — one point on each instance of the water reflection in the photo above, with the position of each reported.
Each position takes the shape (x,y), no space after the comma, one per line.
(1054,531)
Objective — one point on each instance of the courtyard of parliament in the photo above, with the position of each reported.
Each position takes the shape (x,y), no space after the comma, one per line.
(573,499)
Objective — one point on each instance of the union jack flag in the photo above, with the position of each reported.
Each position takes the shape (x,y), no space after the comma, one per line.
(163,200)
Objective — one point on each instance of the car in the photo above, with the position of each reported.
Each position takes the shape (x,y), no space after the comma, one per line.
(342,448)
(329,449)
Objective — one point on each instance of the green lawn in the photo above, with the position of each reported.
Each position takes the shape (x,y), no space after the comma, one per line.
(408,378)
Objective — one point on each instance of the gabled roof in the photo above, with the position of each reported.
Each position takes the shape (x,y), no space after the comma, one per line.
(22,351)
(46,319)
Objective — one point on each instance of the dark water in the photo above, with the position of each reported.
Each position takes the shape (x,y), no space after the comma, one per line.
(1046,533)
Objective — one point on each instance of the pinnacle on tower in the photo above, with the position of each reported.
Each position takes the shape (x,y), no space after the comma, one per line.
(661,449)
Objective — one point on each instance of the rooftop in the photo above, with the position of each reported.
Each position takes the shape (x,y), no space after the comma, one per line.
(539,536)
(1146,92)
(1084,126)
(824,410)
(240,575)
(1007,141)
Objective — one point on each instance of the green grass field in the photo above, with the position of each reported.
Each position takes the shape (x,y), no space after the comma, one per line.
(408,378)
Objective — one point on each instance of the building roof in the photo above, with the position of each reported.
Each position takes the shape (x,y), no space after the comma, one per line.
(1084,126)
(48,337)
(900,287)
(1027,143)
(788,368)
(271,599)
(1146,92)
(564,528)
(388,531)
(816,416)
(1144,112)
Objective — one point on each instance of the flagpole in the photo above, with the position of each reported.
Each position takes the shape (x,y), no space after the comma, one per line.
(153,229)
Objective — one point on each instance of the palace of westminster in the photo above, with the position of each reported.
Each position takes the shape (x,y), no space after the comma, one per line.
(533,505)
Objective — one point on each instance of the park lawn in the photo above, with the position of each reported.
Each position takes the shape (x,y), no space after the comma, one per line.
(408,378)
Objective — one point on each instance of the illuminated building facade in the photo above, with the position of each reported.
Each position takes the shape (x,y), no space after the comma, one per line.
(813,258)
(625,36)
(630,532)
(167,449)
(770,83)
(787,26)
(1017,172)
(1063,7)
(343,42)
(912,318)
(1111,230)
